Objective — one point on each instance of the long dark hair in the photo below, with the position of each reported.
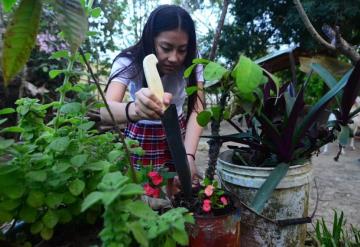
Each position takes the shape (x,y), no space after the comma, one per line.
(163,18)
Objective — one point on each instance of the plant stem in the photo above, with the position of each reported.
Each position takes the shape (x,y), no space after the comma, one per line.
(127,151)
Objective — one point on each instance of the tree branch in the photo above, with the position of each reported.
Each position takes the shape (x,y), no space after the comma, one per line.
(218,30)
(310,27)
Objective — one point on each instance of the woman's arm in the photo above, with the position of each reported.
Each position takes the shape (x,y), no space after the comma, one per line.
(146,105)
(194,130)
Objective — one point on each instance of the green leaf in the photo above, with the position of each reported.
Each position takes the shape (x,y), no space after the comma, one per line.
(9,205)
(132,190)
(214,72)
(6,169)
(15,192)
(73,107)
(3,121)
(79,160)
(139,233)
(90,200)
(60,54)
(64,215)
(191,90)
(73,22)
(53,200)
(200,61)
(36,227)
(60,167)
(248,75)
(28,214)
(97,166)
(114,154)
(19,38)
(95,12)
(5,216)
(76,187)
(203,118)
(7,111)
(189,70)
(35,199)
(216,112)
(86,126)
(46,233)
(180,236)
(59,144)
(55,72)
(8,4)
(50,219)
(39,176)
(13,129)
(267,188)
(4,144)
(141,210)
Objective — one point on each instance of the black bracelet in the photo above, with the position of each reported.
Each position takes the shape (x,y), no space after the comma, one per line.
(192,156)
(127,112)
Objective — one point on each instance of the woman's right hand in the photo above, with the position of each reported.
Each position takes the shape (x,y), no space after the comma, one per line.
(148,106)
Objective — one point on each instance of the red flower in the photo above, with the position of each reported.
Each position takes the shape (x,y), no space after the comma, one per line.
(155,177)
(209,190)
(150,191)
(206,205)
(224,200)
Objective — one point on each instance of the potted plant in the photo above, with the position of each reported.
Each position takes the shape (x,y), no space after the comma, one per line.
(270,171)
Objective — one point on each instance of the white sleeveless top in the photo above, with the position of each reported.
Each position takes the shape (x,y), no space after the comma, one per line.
(173,83)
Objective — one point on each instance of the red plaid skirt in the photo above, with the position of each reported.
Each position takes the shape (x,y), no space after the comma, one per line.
(152,139)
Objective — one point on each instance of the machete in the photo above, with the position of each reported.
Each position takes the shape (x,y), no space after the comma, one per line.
(171,125)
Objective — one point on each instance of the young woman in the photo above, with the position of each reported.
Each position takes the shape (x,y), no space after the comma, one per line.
(169,33)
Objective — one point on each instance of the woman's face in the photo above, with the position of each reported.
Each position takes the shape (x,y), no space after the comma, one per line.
(171,50)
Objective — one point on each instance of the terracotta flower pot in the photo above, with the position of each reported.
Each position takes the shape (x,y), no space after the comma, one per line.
(216,231)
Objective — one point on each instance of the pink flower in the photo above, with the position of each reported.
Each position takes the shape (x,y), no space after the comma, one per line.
(155,177)
(206,205)
(209,190)
(224,200)
(156,193)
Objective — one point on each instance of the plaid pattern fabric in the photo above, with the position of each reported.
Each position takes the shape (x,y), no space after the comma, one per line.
(152,138)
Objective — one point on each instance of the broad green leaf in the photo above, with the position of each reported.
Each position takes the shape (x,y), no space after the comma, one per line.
(19,38)
(87,125)
(191,90)
(60,54)
(36,227)
(344,136)
(180,236)
(267,188)
(39,176)
(55,72)
(189,70)
(139,233)
(59,144)
(90,200)
(53,200)
(47,233)
(9,205)
(35,199)
(141,210)
(203,118)
(60,167)
(3,121)
(73,107)
(28,214)
(73,22)
(96,12)
(214,72)
(132,190)
(6,169)
(79,160)
(15,192)
(170,242)
(13,129)
(97,166)
(8,4)
(76,187)
(64,215)
(7,111)
(115,154)
(50,219)
(5,216)
(200,61)
(247,74)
